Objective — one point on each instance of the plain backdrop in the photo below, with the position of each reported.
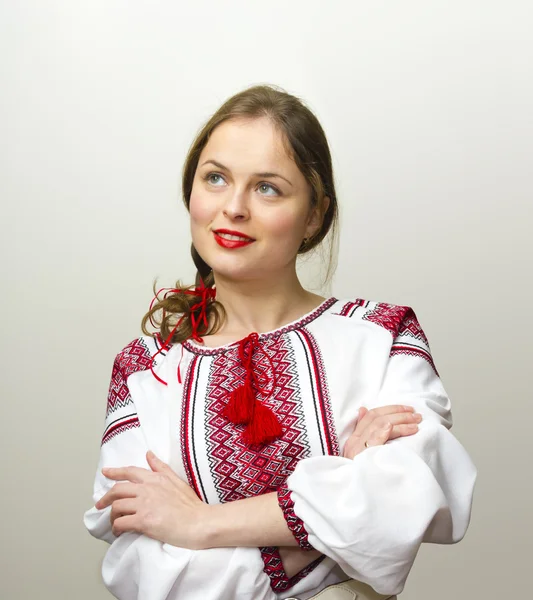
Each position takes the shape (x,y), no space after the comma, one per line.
(427,106)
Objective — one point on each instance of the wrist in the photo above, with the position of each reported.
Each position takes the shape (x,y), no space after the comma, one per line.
(210,527)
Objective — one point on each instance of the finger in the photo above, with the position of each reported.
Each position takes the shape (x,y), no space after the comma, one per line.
(403,430)
(126,523)
(119,490)
(156,464)
(361,414)
(133,474)
(379,437)
(122,507)
(397,419)
(392,408)
(382,411)
(365,430)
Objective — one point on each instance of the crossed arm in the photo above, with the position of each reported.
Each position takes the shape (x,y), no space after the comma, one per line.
(159,504)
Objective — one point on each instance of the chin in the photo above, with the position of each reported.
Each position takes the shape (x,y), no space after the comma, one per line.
(235,273)
(241,266)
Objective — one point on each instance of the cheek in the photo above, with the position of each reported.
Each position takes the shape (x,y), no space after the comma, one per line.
(201,212)
(201,215)
(289,226)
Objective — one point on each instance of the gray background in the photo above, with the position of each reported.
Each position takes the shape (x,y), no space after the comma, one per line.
(427,107)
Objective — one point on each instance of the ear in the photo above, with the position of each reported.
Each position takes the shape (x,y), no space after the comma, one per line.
(316,217)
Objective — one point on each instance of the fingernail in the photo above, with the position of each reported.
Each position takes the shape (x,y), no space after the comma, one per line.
(387,426)
(410,408)
(418,417)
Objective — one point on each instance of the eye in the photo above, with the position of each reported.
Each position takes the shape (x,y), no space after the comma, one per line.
(267,185)
(210,175)
(209,178)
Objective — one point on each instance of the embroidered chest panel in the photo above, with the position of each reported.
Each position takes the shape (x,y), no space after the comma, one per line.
(220,466)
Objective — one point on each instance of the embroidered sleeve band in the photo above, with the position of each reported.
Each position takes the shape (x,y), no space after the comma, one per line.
(295,524)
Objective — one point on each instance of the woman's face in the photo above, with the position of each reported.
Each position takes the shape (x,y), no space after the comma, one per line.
(246,183)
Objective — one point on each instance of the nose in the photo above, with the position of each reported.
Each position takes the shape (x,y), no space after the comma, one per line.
(236,207)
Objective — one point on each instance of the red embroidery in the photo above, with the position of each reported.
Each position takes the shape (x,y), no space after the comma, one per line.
(330,441)
(412,351)
(412,341)
(411,327)
(187,445)
(116,428)
(273,567)
(295,524)
(134,357)
(349,308)
(388,316)
(238,470)
(263,337)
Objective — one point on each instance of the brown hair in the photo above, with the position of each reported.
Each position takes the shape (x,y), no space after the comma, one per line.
(305,142)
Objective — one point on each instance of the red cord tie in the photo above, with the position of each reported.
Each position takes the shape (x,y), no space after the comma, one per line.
(262,425)
(243,408)
(206,294)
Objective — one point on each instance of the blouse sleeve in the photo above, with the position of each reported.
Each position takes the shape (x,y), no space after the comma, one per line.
(137,567)
(371,514)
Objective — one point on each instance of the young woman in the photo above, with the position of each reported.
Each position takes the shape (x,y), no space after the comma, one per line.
(266,442)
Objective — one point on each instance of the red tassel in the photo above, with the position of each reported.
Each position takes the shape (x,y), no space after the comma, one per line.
(263,428)
(243,408)
(240,407)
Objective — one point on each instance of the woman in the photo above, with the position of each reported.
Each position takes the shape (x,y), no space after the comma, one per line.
(267,442)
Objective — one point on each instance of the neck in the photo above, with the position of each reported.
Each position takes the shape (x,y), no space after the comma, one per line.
(263,304)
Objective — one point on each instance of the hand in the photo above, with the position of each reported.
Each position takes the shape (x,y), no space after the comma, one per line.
(379,425)
(156,503)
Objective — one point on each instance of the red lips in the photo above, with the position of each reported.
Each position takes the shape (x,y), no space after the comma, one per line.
(231,244)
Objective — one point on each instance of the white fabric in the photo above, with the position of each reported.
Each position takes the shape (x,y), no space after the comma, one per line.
(368,515)
(138,567)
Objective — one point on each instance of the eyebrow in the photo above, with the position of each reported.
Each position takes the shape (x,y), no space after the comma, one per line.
(264,174)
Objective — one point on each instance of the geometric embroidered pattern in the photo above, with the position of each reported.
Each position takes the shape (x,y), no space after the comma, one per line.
(323,409)
(120,412)
(401,321)
(122,425)
(271,334)
(295,524)
(350,307)
(413,351)
(273,567)
(189,403)
(386,315)
(411,340)
(134,357)
(239,470)
(410,327)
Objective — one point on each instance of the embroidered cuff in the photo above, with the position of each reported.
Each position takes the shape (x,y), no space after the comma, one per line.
(273,567)
(295,524)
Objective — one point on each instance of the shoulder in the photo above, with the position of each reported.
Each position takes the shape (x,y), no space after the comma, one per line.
(407,338)
(138,355)
(399,320)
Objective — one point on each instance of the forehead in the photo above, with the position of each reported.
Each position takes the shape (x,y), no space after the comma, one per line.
(249,145)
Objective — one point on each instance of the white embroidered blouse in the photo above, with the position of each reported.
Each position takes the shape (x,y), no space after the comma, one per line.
(367,516)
